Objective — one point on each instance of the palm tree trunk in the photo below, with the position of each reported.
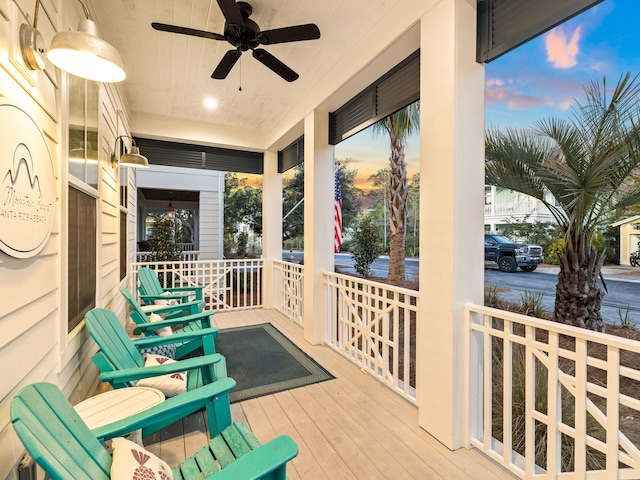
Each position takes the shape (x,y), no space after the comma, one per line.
(578,296)
(397,211)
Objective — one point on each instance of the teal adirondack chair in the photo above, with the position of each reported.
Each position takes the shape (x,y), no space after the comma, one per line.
(189,323)
(62,444)
(122,365)
(150,289)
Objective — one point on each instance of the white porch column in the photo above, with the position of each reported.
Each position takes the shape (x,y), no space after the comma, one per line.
(271,224)
(451,213)
(318,218)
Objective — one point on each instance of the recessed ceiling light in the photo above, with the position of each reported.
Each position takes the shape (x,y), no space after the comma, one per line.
(210,103)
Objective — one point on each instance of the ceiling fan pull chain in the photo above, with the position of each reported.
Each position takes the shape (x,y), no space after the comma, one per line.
(240,67)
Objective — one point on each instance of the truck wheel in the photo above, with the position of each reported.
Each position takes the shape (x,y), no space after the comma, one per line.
(507,264)
(529,268)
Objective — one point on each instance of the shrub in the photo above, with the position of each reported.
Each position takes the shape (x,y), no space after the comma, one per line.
(624,319)
(553,252)
(492,296)
(531,304)
(366,245)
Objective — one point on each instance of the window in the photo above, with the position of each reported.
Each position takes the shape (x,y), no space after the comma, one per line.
(83,98)
(123,244)
(488,195)
(123,180)
(82,255)
(83,130)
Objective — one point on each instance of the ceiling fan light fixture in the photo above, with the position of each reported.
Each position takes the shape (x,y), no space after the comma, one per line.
(84,54)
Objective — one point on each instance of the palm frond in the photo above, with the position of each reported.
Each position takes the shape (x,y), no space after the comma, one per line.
(582,162)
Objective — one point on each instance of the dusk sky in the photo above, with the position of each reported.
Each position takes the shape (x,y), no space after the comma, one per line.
(539,79)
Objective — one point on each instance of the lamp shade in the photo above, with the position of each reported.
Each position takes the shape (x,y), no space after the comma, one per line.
(84,54)
(134,159)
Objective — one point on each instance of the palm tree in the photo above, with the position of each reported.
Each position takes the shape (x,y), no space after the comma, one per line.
(398,126)
(578,168)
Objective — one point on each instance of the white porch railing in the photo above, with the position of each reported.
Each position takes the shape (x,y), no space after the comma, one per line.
(520,208)
(185,255)
(288,289)
(548,400)
(234,284)
(373,325)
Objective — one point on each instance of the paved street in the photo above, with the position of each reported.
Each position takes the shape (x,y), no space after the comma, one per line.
(623,283)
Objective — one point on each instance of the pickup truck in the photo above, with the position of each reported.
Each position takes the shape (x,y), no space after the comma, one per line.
(510,255)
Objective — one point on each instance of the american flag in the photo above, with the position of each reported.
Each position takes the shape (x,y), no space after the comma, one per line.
(337,214)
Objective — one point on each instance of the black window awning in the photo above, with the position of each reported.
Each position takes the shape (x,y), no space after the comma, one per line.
(291,155)
(175,154)
(393,91)
(505,24)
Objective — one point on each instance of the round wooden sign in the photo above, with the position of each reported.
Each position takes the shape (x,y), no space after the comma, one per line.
(28,195)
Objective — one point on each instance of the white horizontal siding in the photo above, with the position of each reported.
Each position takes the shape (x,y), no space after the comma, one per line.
(210,225)
(35,345)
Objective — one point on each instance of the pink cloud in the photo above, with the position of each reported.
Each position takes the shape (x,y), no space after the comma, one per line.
(495,82)
(521,102)
(562,51)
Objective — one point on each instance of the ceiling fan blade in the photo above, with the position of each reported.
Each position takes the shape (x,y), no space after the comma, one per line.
(163,27)
(231,12)
(226,64)
(295,33)
(274,64)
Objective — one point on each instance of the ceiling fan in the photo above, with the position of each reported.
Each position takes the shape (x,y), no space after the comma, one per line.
(245,34)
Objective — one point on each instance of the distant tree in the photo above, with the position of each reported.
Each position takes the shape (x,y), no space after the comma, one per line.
(380,210)
(536,232)
(398,126)
(351,194)
(583,163)
(293,225)
(242,204)
(292,209)
(413,217)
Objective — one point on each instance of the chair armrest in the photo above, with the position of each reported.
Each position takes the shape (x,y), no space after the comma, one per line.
(133,374)
(146,342)
(191,288)
(170,308)
(259,462)
(195,289)
(194,400)
(176,296)
(170,322)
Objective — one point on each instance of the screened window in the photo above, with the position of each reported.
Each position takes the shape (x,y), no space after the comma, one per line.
(82,225)
(123,244)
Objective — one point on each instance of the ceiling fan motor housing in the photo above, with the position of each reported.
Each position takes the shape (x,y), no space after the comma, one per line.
(243,37)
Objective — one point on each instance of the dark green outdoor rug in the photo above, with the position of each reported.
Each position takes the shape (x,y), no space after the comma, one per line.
(263,361)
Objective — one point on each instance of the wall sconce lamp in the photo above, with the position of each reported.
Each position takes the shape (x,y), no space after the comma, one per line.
(133,159)
(81,53)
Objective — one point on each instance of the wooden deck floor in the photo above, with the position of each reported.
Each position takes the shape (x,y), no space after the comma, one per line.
(351,427)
